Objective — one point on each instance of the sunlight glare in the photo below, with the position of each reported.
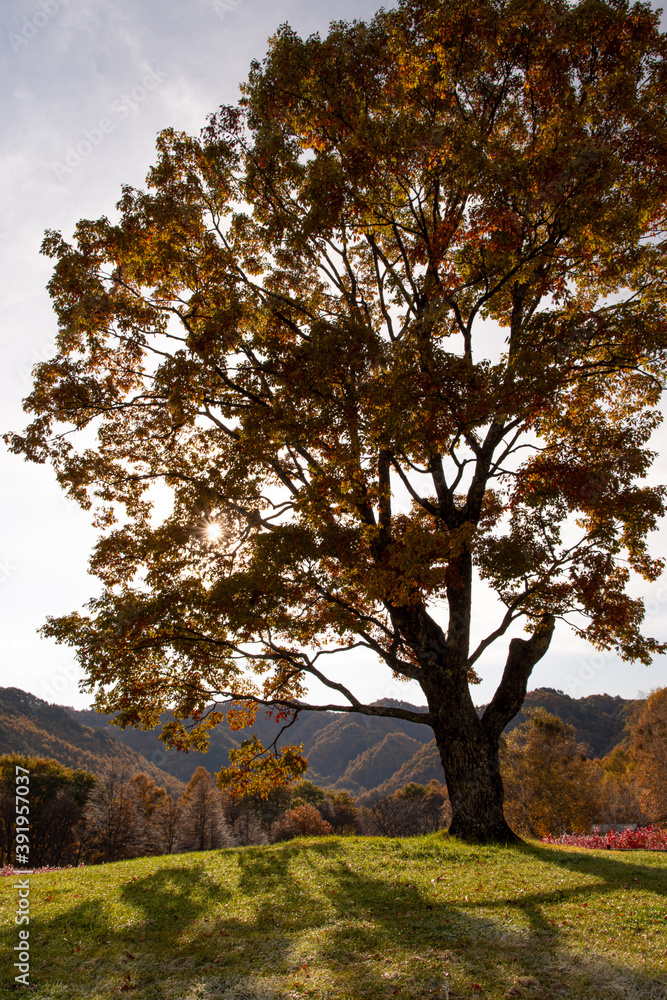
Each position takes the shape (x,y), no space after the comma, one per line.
(213,532)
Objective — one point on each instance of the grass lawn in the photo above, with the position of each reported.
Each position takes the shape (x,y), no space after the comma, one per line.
(350,919)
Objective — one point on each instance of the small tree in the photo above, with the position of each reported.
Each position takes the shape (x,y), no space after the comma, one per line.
(271,805)
(620,797)
(305,793)
(431,804)
(551,787)
(340,811)
(166,821)
(250,817)
(148,802)
(243,823)
(57,800)
(111,821)
(301,821)
(201,825)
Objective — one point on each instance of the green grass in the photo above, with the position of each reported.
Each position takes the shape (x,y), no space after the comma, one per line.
(351,919)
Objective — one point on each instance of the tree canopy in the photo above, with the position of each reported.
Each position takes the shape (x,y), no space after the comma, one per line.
(55,797)
(395,319)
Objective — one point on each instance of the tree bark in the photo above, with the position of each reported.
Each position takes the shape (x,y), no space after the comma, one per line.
(469,745)
(470,761)
(522,657)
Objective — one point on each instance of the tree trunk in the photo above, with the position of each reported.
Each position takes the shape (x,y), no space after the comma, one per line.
(468,744)
(470,762)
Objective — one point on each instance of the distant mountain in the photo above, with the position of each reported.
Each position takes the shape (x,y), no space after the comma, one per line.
(369,768)
(599,719)
(32,726)
(354,748)
(147,743)
(349,751)
(344,750)
(331,741)
(423,766)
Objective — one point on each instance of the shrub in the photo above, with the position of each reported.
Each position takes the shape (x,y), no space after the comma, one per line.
(644,839)
(302,821)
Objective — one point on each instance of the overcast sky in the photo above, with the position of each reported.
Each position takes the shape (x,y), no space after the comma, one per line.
(86,87)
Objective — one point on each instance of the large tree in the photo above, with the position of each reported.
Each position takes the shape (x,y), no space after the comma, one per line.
(395,320)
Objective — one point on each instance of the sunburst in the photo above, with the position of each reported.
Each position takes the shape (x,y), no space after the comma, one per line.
(213,532)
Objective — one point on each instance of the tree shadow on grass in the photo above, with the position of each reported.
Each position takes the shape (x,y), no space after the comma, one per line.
(615,866)
(496,945)
(484,946)
(181,928)
(87,944)
(372,936)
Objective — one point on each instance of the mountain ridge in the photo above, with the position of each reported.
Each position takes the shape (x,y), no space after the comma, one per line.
(363,754)
(34,727)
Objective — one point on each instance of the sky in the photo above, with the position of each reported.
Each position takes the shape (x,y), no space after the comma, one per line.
(86,87)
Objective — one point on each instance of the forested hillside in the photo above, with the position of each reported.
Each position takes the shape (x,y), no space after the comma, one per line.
(360,752)
(332,742)
(33,727)
(356,752)
(599,719)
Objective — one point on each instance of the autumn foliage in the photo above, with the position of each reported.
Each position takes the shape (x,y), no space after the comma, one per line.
(648,748)
(550,784)
(56,803)
(395,321)
(302,821)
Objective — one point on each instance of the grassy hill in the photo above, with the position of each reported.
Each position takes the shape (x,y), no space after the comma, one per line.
(30,725)
(347,919)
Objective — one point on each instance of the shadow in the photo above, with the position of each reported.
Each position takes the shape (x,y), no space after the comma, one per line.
(242,923)
(615,866)
(485,946)
(184,895)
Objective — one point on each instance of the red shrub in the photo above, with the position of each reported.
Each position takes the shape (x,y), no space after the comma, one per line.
(644,839)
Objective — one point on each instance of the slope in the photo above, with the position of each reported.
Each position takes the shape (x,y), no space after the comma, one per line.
(32,726)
